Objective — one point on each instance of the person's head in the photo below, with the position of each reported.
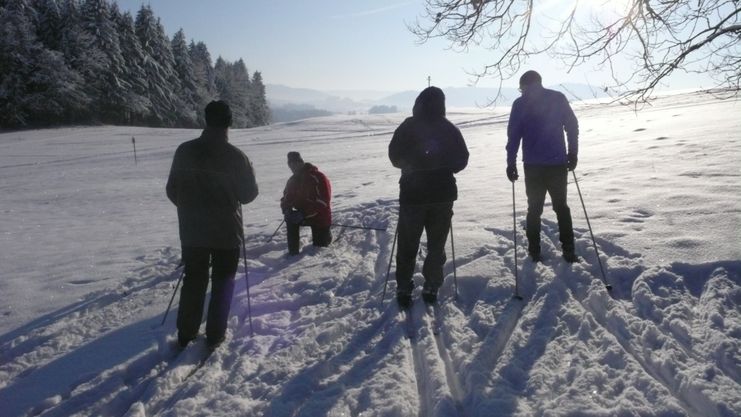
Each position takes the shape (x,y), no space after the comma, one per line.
(218,115)
(530,79)
(430,104)
(295,162)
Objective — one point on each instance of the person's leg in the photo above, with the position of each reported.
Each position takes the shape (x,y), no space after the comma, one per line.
(411,223)
(193,293)
(437,225)
(225,262)
(293,237)
(535,188)
(557,189)
(321,236)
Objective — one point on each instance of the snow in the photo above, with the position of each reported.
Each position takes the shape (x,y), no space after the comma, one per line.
(89,257)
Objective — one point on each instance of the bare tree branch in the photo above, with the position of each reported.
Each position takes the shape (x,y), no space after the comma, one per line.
(657,37)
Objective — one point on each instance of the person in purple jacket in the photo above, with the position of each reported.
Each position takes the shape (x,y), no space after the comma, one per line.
(539,118)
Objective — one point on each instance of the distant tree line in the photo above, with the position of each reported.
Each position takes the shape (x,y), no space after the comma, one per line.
(83,61)
(382,108)
(291,112)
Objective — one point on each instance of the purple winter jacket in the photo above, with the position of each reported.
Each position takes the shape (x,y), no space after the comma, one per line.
(539,119)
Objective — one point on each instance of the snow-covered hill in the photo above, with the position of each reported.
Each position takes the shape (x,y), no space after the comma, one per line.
(89,259)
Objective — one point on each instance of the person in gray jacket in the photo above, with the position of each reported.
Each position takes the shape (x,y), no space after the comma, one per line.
(209,181)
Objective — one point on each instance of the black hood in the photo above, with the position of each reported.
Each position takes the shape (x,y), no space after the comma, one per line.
(430,104)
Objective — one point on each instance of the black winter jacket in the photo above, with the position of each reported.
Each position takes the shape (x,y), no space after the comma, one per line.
(429,149)
(209,181)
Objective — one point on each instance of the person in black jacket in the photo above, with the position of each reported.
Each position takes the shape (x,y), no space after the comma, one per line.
(209,181)
(428,149)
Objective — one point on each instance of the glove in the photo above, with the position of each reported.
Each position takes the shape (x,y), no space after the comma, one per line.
(571,161)
(512,173)
(294,217)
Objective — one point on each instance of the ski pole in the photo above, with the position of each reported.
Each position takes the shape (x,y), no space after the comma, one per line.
(382,229)
(452,247)
(514,239)
(247,282)
(275,232)
(173,293)
(599,261)
(391,257)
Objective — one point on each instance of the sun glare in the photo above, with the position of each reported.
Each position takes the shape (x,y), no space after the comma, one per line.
(551,13)
(607,7)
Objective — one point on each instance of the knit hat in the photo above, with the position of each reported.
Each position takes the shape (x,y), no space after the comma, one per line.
(294,156)
(218,114)
(530,78)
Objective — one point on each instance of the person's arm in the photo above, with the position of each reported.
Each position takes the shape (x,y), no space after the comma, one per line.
(460,152)
(290,194)
(571,125)
(396,148)
(171,188)
(247,184)
(514,135)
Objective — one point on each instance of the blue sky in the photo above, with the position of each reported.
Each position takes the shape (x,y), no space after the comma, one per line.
(335,44)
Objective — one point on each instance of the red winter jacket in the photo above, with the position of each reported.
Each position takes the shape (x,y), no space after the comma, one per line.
(310,192)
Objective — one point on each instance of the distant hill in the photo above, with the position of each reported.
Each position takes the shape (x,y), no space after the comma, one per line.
(281,97)
(455,97)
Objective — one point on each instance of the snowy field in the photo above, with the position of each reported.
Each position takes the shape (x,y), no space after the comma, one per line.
(89,258)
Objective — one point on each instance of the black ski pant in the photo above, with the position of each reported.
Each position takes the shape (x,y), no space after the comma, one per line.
(192,296)
(413,219)
(540,179)
(320,236)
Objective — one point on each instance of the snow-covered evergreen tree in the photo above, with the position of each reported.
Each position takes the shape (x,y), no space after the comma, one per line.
(133,81)
(36,86)
(203,72)
(226,90)
(158,65)
(248,101)
(258,101)
(184,70)
(80,61)
(97,20)
(48,23)
(82,55)
(240,94)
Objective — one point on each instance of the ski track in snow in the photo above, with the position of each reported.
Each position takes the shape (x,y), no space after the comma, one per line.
(611,316)
(665,342)
(160,382)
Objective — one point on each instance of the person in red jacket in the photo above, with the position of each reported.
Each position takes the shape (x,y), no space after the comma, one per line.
(306,202)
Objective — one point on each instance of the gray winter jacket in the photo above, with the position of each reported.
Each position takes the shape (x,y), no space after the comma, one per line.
(209,181)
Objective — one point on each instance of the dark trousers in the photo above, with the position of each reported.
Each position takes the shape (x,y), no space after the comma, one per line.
(320,236)
(435,220)
(192,296)
(540,179)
